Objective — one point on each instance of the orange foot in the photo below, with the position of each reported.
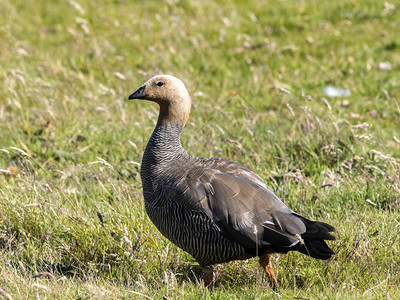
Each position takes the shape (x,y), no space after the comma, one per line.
(265,262)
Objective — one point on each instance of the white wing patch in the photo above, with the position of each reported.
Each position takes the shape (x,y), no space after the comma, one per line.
(269,223)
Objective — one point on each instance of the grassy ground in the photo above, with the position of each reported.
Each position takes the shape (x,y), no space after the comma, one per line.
(72,221)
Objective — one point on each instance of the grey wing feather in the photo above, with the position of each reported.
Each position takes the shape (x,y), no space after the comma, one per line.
(253,216)
(231,167)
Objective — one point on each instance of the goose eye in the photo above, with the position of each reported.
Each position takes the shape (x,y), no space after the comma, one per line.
(160,83)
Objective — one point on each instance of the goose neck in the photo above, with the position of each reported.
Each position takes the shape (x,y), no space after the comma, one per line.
(164,146)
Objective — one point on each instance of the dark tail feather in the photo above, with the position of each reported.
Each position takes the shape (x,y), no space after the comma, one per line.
(314,248)
(317,230)
(314,239)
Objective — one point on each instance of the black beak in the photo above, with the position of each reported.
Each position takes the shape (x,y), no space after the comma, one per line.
(139,94)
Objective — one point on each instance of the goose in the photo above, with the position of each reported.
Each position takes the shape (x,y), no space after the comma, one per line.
(215,209)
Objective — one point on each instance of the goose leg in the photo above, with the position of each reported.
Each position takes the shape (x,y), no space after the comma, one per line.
(208,275)
(265,262)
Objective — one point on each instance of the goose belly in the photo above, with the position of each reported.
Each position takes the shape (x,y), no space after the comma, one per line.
(194,232)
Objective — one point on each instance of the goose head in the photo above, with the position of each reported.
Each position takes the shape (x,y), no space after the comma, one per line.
(170,94)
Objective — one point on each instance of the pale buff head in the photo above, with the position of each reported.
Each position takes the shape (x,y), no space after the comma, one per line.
(172,96)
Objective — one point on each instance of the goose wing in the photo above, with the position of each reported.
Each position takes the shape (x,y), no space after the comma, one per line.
(246,212)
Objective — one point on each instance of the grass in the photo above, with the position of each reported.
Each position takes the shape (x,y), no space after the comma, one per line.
(72,220)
